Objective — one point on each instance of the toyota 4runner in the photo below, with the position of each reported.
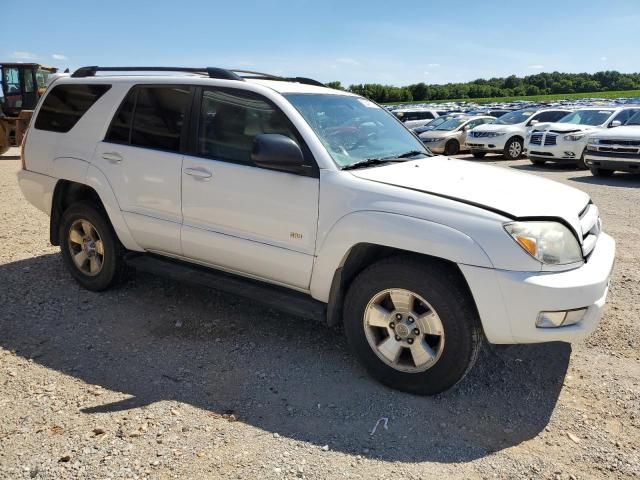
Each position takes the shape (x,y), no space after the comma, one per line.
(318,202)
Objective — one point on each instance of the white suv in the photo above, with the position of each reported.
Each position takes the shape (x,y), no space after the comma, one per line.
(318,202)
(614,150)
(566,140)
(507,134)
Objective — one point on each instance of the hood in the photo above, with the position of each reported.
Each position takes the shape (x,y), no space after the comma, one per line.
(562,127)
(494,127)
(631,132)
(503,190)
(438,134)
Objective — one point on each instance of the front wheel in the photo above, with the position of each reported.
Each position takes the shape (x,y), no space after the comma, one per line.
(513,149)
(601,172)
(452,147)
(90,248)
(580,163)
(412,324)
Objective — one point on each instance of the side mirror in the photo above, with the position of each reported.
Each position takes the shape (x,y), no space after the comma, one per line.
(278,152)
(533,122)
(615,123)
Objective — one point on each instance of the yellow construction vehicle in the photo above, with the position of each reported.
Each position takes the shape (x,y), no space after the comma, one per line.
(21,85)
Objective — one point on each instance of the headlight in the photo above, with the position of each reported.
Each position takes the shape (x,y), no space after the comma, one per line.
(592,141)
(549,242)
(574,137)
(431,140)
(495,134)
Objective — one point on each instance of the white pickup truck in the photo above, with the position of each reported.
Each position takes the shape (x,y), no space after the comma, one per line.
(318,202)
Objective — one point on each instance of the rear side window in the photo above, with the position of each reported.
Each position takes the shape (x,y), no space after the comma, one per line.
(151,117)
(65,105)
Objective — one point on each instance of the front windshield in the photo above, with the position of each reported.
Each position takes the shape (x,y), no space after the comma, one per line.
(634,120)
(354,129)
(451,124)
(587,117)
(513,118)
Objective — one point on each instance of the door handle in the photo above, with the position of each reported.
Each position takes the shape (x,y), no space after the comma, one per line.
(200,173)
(113,157)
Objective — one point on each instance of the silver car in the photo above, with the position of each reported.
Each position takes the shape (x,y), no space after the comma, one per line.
(449,136)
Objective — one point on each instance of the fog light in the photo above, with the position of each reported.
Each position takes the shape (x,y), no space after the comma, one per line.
(560,319)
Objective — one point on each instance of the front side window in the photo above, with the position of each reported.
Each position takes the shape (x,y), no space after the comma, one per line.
(28,80)
(11,80)
(231,119)
(354,129)
(625,115)
(635,119)
(65,105)
(451,124)
(551,116)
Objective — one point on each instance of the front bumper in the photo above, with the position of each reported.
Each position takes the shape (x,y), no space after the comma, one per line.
(487,144)
(509,302)
(563,151)
(609,161)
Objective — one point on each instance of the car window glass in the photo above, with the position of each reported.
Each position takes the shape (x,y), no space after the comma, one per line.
(120,129)
(66,104)
(159,117)
(625,115)
(11,79)
(231,119)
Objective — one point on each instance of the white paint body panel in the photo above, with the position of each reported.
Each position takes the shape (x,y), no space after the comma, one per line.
(297,231)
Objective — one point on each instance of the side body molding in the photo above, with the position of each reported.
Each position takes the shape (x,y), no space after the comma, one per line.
(392,230)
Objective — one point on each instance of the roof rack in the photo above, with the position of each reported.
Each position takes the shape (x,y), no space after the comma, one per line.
(211,72)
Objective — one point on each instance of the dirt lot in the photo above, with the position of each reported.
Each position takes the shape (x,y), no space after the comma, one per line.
(162,380)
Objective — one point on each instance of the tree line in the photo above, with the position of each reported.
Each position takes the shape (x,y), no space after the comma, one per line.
(512,86)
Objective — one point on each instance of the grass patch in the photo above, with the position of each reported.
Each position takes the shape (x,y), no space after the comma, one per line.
(536,98)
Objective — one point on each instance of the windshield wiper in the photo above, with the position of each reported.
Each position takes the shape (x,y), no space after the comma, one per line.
(369,162)
(411,153)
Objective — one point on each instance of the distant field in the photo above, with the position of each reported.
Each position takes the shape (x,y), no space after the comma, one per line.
(538,98)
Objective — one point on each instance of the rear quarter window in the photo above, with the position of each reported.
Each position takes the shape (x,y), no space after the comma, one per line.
(65,105)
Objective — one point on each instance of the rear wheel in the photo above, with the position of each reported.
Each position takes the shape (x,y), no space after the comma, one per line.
(601,172)
(90,248)
(479,154)
(513,149)
(398,313)
(452,147)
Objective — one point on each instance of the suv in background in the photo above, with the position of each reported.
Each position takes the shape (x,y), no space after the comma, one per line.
(415,117)
(507,134)
(566,140)
(317,202)
(613,150)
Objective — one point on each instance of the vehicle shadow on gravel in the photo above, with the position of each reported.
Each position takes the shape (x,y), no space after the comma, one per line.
(617,180)
(157,340)
(549,167)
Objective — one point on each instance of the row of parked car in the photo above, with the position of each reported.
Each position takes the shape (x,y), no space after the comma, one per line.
(604,139)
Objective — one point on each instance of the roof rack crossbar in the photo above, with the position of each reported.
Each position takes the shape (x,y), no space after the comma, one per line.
(212,72)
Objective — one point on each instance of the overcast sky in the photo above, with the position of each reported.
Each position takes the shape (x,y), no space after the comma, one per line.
(354,42)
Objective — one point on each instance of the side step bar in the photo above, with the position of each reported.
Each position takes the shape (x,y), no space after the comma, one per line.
(279,298)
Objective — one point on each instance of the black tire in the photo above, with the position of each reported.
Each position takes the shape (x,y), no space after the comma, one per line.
(112,269)
(479,154)
(601,172)
(508,155)
(452,147)
(580,165)
(535,161)
(442,288)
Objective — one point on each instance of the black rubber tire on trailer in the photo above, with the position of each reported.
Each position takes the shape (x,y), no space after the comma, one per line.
(112,266)
(535,161)
(479,154)
(600,172)
(512,153)
(448,295)
(452,147)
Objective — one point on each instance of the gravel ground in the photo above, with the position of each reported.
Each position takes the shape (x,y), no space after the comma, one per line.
(157,379)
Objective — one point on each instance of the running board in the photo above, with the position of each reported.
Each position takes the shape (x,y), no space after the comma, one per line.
(279,298)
